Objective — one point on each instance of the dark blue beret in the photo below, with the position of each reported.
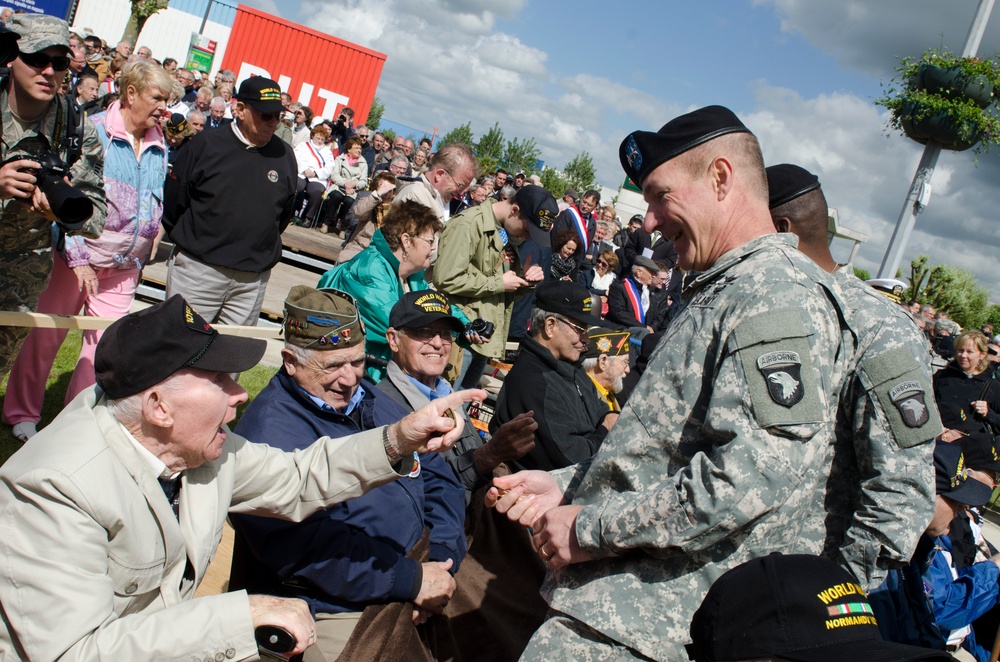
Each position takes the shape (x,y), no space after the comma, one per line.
(786,181)
(642,151)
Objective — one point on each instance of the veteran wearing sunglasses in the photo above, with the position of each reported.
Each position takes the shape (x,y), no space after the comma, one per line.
(228,198)
(34,116)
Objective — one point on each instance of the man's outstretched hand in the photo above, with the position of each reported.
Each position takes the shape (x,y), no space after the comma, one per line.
(431,428)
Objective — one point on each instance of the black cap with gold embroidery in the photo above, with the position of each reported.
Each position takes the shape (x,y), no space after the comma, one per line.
(602,340)
(143,348)
(642,151)
(795,607)
(262,94)
(418,309)
(952,479)
(322,319)
(540,209)
(567,298)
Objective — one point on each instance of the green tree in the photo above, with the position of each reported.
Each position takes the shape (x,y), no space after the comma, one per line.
(489,149)
(491,144)
(521,155)
(375,114)
(141,11)
(949,289)
(460,134)
(389,135)
(553,182)
(580,173)
(863,274)
(993,317)
(918,274)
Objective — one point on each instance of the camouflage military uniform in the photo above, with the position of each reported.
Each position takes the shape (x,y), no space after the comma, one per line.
(718,456)
(883,478)
(25,237)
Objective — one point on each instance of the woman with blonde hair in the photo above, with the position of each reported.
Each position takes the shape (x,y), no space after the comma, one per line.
(101,275)
(965,391)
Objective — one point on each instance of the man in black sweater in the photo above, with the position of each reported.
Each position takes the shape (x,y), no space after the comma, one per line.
(227,200)
(572,418)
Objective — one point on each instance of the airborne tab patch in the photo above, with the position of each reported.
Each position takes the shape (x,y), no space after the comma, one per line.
(783,373)
(909,400)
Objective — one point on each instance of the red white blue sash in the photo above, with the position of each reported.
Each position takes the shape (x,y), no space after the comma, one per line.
(581,226)
(635,297)
(322,162)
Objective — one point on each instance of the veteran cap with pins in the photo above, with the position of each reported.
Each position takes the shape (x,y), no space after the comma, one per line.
(322,319)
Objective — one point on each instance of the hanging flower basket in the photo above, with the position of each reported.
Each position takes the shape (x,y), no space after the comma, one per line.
(923,124)
(947,99)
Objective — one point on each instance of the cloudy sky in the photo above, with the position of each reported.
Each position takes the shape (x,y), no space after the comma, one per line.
(801,74)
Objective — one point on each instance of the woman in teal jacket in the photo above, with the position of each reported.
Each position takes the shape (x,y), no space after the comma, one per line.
(392,265)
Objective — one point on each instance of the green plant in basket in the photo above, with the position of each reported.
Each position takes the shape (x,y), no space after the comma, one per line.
(940,96)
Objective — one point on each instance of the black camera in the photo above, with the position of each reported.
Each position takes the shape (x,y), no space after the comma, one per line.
(482,327)
(341,119)
(71,207)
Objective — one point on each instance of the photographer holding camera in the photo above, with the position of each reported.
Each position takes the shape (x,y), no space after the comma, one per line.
(52,167)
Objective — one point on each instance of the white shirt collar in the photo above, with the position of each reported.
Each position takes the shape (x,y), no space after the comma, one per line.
(156,464)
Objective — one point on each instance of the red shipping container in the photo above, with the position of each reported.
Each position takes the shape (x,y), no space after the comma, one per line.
(320,71)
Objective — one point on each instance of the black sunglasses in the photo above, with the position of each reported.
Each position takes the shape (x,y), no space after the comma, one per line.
(993,352)
(41,61)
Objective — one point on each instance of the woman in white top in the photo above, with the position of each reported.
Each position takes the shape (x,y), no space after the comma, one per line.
(599,279)
(315,162)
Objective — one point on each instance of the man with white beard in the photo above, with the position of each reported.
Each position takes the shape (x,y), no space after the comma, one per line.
(606,362)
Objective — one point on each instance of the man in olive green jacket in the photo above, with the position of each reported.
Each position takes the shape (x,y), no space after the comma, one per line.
(479,269)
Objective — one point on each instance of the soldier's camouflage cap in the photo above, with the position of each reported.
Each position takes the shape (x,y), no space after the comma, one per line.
(39,32)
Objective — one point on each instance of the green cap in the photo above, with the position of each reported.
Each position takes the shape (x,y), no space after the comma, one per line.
(39,32)
(322,319)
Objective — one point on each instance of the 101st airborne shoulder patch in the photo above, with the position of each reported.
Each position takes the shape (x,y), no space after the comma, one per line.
(908,396)
(783,373)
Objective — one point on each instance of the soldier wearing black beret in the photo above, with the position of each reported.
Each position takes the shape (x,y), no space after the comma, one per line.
(723,452)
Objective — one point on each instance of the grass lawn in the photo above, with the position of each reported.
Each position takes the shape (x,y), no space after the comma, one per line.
(55,390)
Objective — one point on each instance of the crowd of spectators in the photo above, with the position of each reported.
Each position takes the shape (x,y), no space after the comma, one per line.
(447,273)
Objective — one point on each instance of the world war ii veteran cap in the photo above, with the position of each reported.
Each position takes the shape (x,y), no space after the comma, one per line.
(322,319)
(797,607)
(540,209)
(787,181)
(262,94)
(642,151)
(422,308)
(39,32)
(567,298)
(951,476)
(602,340)
(143,348)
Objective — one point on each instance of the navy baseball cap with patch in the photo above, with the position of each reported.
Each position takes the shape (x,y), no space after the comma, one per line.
(567,298)
(421,308)
(539,208)
(642,151)
(787,181)
(951,476)
(262,94)
(143,348)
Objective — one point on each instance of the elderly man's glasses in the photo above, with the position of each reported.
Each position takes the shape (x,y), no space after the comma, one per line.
(582,331)
(41,61)
(425,334)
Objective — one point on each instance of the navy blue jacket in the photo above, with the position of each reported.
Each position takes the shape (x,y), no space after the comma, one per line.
(354,553)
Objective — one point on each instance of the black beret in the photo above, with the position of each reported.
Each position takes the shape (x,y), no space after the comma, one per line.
(642,151)
(785,182)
